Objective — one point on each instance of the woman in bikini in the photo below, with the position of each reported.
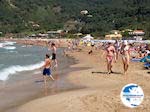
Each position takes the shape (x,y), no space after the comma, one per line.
(110,56)
(125,51)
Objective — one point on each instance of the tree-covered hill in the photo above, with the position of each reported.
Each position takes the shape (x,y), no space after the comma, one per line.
(103,15)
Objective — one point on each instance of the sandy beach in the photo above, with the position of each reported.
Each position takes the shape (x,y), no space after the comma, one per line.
(100,93)
(25,86)
(74,55)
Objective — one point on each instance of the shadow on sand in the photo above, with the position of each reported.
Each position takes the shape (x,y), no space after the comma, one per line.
(97,72)
(38,81)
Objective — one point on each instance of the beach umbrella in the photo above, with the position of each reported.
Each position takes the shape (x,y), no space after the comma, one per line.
(88,37)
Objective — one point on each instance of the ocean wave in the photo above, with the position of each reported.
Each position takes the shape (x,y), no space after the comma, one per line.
(1,65)
(26,55)
(12,52)
(7,43)
(23,46)
(5,73)
(1,45)
(9,47)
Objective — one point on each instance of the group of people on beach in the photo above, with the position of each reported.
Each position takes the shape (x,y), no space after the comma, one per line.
(126,50)
(112,52)
(48,63)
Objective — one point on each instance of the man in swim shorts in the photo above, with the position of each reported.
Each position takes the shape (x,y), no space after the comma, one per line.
(47,70)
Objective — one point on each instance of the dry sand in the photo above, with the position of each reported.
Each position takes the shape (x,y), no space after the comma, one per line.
(101,92)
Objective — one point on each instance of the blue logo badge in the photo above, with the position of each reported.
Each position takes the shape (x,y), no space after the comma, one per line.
(132,95)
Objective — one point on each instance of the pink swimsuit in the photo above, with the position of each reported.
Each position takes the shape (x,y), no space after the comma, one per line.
(110,53)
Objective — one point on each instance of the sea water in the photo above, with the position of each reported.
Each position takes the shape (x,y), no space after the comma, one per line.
(15,58)
(20,79)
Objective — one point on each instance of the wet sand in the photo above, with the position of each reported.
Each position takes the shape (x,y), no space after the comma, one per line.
(26,86)
(101,92)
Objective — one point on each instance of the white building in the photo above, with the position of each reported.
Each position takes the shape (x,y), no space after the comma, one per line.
(138,34)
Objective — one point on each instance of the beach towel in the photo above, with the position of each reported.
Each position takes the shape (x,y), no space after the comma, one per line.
(135,59)
(145,59)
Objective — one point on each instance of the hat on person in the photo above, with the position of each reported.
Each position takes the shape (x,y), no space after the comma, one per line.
(147,51)
(125,42)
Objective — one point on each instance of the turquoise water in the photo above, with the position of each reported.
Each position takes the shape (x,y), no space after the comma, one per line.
(21,81)
(16,58)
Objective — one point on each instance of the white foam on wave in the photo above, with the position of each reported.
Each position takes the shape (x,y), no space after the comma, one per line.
(9,47)
(8,43)
(26,55)
(13,52)
(23,46)
(1,45)
(5,73)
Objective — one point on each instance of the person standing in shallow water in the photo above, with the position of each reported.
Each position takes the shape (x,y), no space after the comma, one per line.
(54,50)
(47,72)
(47,66)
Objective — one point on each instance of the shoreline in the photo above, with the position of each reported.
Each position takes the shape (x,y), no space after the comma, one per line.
(101,92)
(38,42)
(61,86)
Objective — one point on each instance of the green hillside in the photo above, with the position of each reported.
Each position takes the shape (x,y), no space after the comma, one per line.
(104,15)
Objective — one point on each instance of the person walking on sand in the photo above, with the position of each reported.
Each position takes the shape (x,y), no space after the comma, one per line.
(117,46)
(125,52)
(110,56)
(47,70)
(54,49)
